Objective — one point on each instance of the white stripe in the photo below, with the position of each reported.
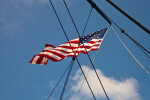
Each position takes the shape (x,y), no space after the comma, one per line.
(89,44)
(64,49)
(72,44)
(71,54)
(95,47)
(60,52)
(35,59)
(97,39)
(44,60)
(70,50)
(51,55)
(74,39)
(48,48)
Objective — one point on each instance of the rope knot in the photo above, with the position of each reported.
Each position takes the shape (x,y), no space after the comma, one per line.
(73,58)
(93,5)
(122,31)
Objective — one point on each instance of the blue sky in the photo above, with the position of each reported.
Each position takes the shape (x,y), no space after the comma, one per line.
(27,25)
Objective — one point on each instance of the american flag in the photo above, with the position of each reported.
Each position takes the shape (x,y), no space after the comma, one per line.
(78,45)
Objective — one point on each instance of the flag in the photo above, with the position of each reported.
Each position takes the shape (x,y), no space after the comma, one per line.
(78,45)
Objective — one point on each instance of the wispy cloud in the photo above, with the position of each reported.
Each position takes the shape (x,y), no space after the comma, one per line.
(125,89)
(13,15)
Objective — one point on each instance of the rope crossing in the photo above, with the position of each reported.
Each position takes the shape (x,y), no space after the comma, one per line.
(59,81)
(87,53)
(71,47)
(73,59)
(109,20)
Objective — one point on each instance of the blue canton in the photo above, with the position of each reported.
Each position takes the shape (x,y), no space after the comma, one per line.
(96,35)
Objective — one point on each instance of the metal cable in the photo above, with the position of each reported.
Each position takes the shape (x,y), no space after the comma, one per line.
(72,48)
(86,51)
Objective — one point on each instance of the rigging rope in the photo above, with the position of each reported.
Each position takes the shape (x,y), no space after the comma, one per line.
(75,84)
(136,42)
(123,31)
(86,51)
(109,20)
(89,69)
(71,47)
(75,27)
(87,22)
(130,52)
(73,59)
(86,75)
(128,16)
(139,46)
(93,5)
(59,81)
(143,51)
(83,34)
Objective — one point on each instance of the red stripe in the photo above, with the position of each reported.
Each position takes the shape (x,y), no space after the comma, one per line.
(39,60)
(48,45)
(92,42)
(96,45)
(67,47)
(94,49)
(49,57)
(87,47)
(32,59)
(45,60)
(73,41)
(57,50)
(57,54)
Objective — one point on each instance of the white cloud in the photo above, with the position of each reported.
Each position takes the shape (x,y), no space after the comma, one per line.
(126,89)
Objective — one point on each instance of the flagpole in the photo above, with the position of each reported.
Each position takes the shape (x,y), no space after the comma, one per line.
(66,81)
